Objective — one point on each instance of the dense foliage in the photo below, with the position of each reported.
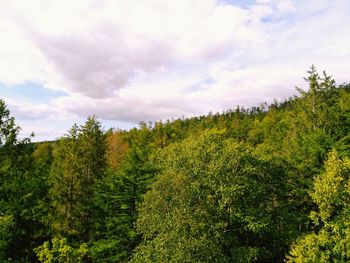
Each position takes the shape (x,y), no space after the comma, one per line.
(265,184)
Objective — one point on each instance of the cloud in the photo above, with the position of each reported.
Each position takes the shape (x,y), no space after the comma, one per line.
(96,49)
(150,60)
(26,110)
(101,62)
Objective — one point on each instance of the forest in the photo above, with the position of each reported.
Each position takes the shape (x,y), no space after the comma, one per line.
(268,183)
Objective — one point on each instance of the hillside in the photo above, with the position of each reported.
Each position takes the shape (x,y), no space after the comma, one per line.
(264,184)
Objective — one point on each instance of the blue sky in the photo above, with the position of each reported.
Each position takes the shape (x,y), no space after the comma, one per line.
(31,92)
(132,61)
(240,3)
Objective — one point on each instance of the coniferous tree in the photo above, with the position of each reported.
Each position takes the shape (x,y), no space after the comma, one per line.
(20,191)
(80,161)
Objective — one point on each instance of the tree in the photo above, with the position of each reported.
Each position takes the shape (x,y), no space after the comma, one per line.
(116,149)
(21,189)
(6,229)
(330,240)
(118,195)
(80,161)
(320,103)
(8,129)
(212,202)
(59,251)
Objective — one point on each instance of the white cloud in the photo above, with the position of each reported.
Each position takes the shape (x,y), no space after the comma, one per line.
(150,60)
(95,49)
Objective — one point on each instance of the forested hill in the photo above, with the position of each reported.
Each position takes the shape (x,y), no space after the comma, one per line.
(265,184)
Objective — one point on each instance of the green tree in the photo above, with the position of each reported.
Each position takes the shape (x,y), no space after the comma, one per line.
(20,191)
(6,229)
(8,129)
(59,251)
(330,241)
(80,161)
(65,188)
(118,195)
(213,202)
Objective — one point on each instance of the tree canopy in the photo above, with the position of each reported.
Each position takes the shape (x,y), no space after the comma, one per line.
(268,183)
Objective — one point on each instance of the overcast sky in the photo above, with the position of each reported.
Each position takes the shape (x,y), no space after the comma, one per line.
(127,61)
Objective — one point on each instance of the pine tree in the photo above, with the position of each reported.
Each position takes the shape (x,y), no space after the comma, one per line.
(20,191)
(80,161)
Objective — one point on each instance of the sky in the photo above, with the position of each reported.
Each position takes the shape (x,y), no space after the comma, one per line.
(130,61)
